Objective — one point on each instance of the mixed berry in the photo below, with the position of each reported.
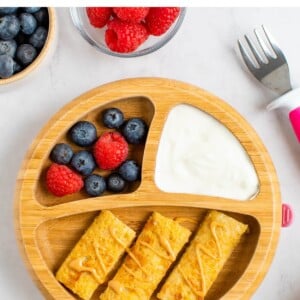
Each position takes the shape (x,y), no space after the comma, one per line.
(83,162)
(95,185)
(61,154)
(23,33)
(115,183)
(113,118)
(72,171)
(110,150)
(83,133)
(129,27)
(130,170)
(135,131)
(62,180)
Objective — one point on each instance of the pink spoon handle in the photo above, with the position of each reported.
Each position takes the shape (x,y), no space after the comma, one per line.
(294,116)
(287,215)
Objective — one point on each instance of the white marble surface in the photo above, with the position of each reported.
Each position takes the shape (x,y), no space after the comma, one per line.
(202,53)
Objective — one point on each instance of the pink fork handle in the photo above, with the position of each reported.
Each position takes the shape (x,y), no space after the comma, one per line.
(290,102)
(294,116)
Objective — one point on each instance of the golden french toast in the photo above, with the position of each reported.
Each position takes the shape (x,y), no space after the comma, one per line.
(148,261)
(95,255)
(201,263)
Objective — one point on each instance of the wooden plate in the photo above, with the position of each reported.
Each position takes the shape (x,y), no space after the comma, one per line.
(48,227)
(48,44)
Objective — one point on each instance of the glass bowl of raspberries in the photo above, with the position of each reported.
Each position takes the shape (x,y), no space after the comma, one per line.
(127,31)
(25,37)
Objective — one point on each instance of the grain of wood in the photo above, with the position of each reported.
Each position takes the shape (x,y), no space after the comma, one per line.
(48,227)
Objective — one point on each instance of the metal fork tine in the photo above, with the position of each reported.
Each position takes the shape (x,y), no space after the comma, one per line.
(254,51)
(273,43)
(268,65)
(263,45)
(246,57)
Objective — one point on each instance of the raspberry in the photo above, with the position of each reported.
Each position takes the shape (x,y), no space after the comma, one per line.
(131,14)
(123,37)
(98,16)
(61,180)
(160,19)
(110,150)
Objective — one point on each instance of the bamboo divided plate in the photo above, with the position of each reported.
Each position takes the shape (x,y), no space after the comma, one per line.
(48,227)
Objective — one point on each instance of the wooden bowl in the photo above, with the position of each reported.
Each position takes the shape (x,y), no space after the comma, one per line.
(48,227)
(43,53)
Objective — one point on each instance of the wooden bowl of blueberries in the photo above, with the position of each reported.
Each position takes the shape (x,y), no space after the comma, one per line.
(26,34)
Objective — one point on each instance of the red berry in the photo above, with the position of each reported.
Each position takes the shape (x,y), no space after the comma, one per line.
(61,180)
(98,16)
(110,150)
(160,19)
(123,37)
(131,14)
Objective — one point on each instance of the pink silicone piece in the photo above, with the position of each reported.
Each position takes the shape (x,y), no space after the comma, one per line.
(295,121)
(287,215)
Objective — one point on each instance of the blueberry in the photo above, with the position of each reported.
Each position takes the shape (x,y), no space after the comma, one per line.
(83,162)
(6,66)
(7,10)
(83,133)
(130,170)
(94,185)
(115,183)
(38,38)
(28,23)
(17,67)
(31,10)
(8,47)
(112,118)
(135,131)
(42,16)
(61,154)
(26,54)
(9,27)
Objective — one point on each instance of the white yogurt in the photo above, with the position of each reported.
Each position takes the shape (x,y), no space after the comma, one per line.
(198,155)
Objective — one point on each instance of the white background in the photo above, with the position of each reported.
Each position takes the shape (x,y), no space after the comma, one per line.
(202,53)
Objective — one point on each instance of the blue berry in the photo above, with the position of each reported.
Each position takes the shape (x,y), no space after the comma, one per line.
(28,23)
(8,47)
(130,170)
(38,38)
(7,10)
(83,133)
(9,27)
(94,185)
(31,10)
(83,162)
(26,54)
(42,16)
(113,118)
(17,67)
(115,183)
(6,66)
(135,131)
(61,154)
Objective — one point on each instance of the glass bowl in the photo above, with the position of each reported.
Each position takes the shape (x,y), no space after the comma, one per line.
(95,36)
